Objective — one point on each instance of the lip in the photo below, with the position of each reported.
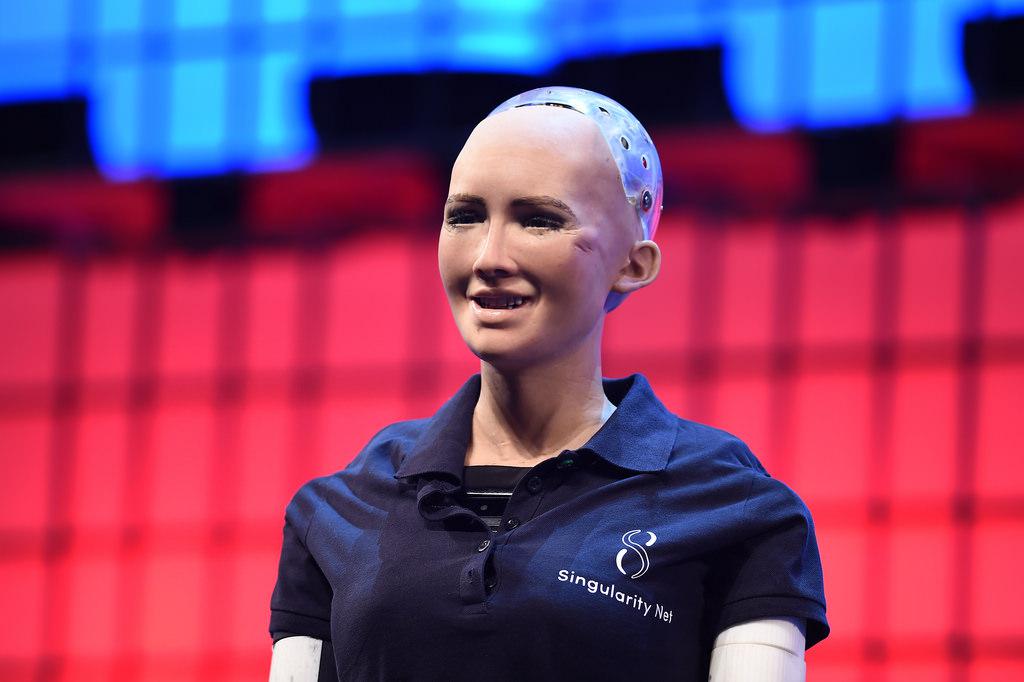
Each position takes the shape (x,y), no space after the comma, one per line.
(493,315)
(497,292)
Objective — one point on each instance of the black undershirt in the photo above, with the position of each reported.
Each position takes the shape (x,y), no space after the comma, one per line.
(486,489)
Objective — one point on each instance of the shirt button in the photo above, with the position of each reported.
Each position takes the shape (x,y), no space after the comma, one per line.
(534,484)
(483,545)
(512,522)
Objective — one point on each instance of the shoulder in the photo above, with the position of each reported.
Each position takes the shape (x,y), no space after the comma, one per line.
(725,469)
(369,475)
(387,447)
(701,445)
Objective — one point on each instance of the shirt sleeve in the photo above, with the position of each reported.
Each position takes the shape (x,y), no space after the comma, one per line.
(775,571)
(301,602)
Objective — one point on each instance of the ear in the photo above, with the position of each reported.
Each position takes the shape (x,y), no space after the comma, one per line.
(640,269)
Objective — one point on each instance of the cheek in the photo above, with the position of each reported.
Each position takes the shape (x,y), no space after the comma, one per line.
(449,261)
(585,267)
(574,286)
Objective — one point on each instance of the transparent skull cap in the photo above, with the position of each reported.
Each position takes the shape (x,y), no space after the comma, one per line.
(630,145)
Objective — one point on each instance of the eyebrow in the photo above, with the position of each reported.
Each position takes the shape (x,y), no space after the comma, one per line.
(544,200)
(464,199)
(534,201)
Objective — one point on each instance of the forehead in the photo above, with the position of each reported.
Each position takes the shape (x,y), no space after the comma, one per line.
(521,149)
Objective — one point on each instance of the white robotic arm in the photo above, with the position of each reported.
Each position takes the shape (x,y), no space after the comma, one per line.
(766,650)
(296,659)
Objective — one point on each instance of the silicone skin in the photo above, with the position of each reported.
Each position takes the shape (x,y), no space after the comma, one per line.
(629,143)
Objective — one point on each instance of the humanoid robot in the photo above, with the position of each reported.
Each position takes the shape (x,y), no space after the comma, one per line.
(553,205)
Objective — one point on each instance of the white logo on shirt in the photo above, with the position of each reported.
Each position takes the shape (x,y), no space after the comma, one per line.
(645,561)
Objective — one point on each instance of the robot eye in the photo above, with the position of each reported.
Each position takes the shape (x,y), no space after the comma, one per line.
(624,141)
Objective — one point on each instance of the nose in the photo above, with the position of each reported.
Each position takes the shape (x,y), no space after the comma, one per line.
(493,259)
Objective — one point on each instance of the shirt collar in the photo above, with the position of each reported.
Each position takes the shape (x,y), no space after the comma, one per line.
(639,435)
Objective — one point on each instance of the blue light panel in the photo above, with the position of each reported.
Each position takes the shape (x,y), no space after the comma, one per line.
(197,131)
(846,63)
(117,16)
(285,136)
(41,73)
(362,8)
(752,70)
(28,21)
(936,81)
(201,13)
(513,37)
(283,10)
(207,86)
(114,122)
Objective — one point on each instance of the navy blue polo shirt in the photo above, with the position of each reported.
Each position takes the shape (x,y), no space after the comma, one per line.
(624,557)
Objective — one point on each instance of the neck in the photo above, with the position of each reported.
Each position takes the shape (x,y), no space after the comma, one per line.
(528,414)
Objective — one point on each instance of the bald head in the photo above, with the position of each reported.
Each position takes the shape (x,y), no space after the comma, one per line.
(630,145)
(549,151)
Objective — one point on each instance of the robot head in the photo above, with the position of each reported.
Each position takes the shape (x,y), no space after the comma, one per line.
(630,145)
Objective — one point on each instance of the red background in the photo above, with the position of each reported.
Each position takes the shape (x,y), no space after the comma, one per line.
(158,407)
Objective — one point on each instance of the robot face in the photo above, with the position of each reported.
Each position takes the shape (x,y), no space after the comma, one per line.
(630,145)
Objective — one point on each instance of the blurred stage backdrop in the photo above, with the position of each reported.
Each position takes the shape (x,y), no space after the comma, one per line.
(218,279)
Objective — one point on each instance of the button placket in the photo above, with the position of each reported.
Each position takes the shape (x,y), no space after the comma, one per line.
(516,510)
(526,499)
(471,585)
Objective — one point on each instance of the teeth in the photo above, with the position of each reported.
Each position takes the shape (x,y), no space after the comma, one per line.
(499,302)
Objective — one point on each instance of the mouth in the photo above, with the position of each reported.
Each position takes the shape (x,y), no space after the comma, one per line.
(499,301)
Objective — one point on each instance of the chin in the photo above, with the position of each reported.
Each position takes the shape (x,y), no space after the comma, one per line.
(505,356)
(499,357)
